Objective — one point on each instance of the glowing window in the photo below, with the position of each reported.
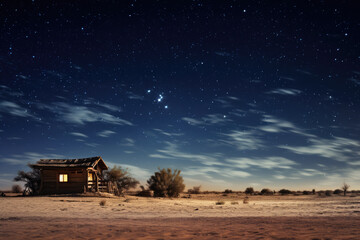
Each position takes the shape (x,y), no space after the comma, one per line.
(90,177)
(63,178)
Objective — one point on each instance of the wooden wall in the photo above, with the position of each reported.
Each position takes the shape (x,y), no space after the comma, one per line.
(77,179)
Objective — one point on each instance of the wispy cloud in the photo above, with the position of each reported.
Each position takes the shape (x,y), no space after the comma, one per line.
(14,109)
(207,172)
(81,115)
(168,133)
(134,96)
(285,91)
(337,148)
(354,80)
(244,140)
(28,157)
(128,142)
(110,107)
(77,134)
(210,119)
(266,162)
(171,151)
(105,133)
(276,125)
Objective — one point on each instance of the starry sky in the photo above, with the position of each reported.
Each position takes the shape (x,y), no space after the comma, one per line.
(232,93)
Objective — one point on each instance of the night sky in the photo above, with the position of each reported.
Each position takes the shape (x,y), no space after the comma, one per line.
(232,93)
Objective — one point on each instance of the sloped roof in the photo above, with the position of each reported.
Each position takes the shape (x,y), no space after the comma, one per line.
(73,163)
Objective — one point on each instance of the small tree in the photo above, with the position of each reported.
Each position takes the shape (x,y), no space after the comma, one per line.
(166,183)
(345,187)
(249,190)
(284,191)
(266,191)
(32,180)
(16,188)
(121,179)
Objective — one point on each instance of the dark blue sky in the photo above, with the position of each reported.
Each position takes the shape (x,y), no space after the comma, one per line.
(233,93)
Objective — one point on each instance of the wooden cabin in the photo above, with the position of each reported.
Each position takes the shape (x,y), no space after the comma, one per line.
(81,175)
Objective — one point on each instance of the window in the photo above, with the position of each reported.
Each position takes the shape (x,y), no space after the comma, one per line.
(63,178)
(90,177)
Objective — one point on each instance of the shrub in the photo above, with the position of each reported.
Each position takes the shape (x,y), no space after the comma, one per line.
(249,190)
(16,189)
(284,192)
(220,203)
(328,193)
(246,200)
(166,183)
(266,191)
(121,179)
(195,190)
(306,192)
(32,180)
(234,203)
(228,191)
(338,191)
(102,203)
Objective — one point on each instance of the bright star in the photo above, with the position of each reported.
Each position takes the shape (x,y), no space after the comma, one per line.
(160,98)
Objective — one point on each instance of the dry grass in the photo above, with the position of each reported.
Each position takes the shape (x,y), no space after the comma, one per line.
(220,203)
(234,203)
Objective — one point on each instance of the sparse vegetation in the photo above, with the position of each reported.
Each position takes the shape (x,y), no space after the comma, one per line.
(195,190)
(102,202)
(234,203)
(284,192)
(328,193)
(220,203)
(266,191)
(121,179)
(246,200)
(32,180)
(345,187)
(338,191)
(166,183)
(16,188)
(249,191)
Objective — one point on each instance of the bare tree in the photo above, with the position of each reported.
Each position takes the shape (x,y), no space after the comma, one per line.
(345,187)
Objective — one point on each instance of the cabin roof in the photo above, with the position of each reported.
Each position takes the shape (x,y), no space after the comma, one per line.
(71,163)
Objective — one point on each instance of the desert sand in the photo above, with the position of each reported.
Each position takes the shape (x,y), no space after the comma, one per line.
(264,217)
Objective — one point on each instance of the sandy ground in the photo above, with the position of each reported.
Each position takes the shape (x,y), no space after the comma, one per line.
(272,217)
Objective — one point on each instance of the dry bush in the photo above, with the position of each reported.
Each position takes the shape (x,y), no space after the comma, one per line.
(328,193)
(195,190)
(338,191)
(220,203)
(266,191)
(285,192)
(32,180)
(166,183)
(16,189)
(121,179)
(234,203)
(228,191)
(246,200)
(102,202)
(249,190)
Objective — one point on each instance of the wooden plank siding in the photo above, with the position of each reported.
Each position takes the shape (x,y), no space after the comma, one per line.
(75,184)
